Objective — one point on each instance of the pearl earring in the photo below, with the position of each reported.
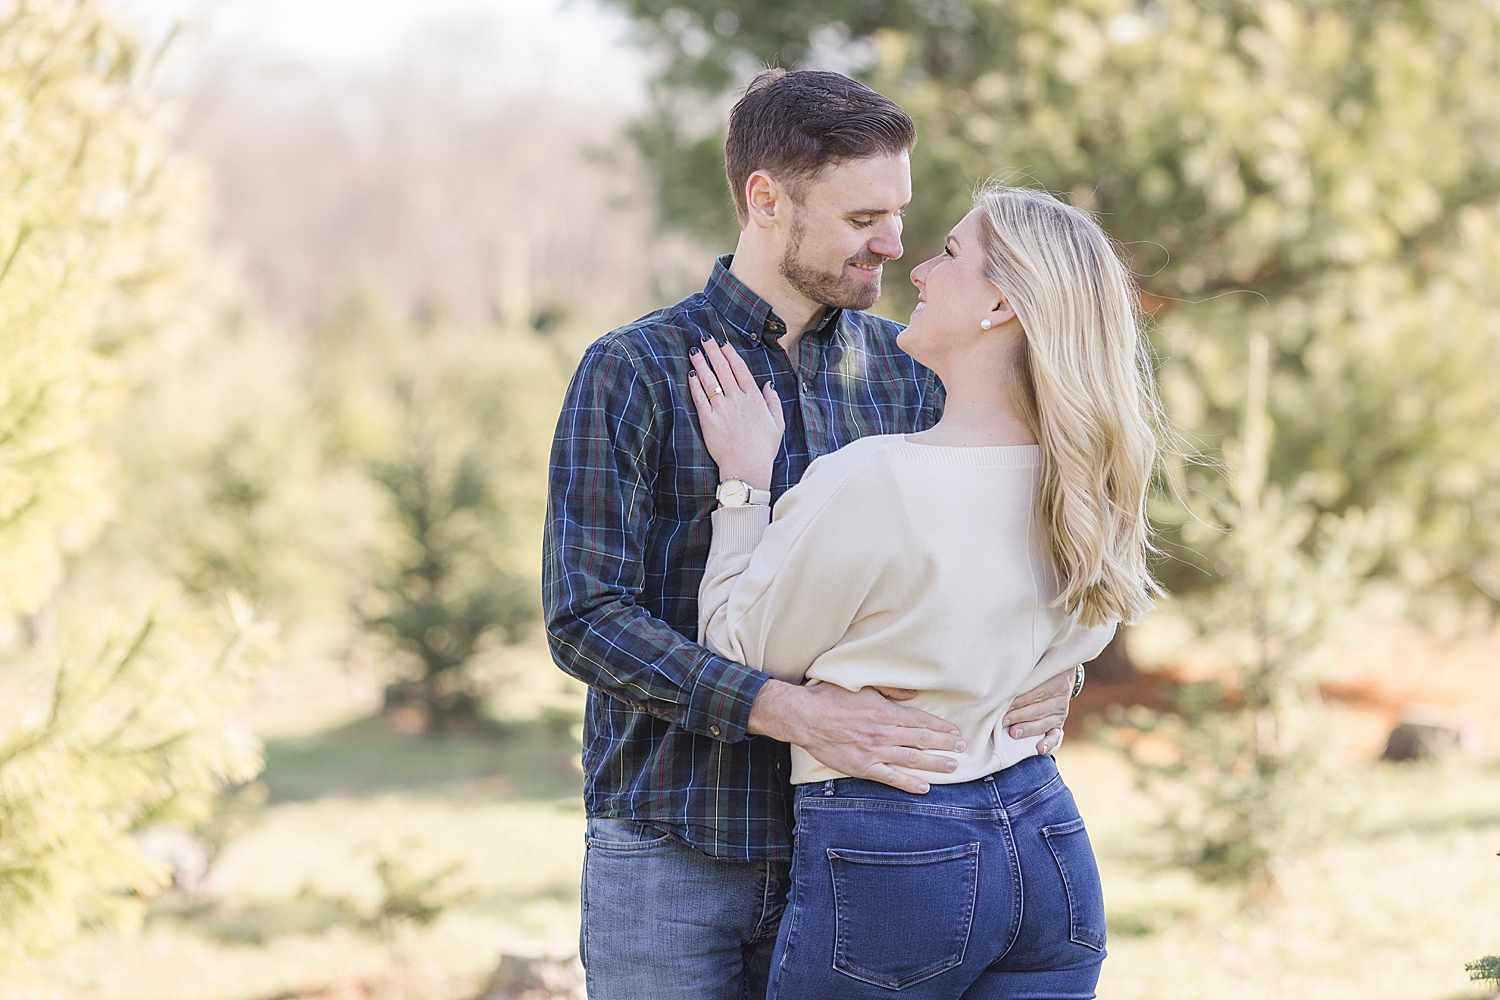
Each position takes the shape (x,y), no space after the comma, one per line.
(985,324)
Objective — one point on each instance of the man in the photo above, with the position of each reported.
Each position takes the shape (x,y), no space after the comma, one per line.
(685,755)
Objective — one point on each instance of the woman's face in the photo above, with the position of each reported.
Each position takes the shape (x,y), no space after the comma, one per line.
(955,299)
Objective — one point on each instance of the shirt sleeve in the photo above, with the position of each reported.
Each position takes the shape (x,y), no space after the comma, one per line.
(778,595)
(599,505)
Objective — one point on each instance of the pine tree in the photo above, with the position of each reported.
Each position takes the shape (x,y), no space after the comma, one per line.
(100,227)
(96,227)
(447,423)
(1269,167)
(132,737)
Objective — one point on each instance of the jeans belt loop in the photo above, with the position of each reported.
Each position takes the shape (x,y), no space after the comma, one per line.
(989,779)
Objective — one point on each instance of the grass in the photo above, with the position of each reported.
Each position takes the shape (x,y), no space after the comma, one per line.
(288,889)
(1391,910)
(367,757)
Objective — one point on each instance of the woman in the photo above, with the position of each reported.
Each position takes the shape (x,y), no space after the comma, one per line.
(968,562)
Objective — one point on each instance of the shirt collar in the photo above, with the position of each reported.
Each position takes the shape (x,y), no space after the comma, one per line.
(748,313)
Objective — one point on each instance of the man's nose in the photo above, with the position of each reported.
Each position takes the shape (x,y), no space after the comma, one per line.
(887,242)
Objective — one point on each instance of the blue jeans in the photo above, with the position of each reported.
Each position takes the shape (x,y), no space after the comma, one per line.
(662,921)
(986,890)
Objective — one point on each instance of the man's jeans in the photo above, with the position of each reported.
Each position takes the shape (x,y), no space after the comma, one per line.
(986,890)
(662,921)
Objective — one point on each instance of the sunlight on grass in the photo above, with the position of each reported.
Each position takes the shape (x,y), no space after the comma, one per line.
(505,805)
(1391,913)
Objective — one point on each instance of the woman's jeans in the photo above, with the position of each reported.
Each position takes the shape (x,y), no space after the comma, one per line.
(982,890)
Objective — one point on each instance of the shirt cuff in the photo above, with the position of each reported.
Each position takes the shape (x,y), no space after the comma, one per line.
(719,703)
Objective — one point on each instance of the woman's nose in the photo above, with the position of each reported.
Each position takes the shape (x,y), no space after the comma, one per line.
(920,272)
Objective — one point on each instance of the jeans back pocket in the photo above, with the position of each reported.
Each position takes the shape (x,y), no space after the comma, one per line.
(1070,847)
(902,917)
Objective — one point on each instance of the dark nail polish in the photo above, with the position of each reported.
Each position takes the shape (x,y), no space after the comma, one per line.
(696,350)
(692,374)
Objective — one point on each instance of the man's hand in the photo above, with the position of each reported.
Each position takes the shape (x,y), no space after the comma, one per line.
(860,734)
(1041,712)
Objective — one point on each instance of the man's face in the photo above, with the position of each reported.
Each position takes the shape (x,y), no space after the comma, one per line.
(846,226)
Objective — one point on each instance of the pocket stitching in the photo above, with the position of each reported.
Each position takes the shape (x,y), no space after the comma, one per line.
(956,853)
(1076,934)
(627,845)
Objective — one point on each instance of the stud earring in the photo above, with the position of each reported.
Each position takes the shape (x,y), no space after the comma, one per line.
(985,324)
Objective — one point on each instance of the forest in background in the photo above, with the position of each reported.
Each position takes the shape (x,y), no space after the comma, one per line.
(284,351)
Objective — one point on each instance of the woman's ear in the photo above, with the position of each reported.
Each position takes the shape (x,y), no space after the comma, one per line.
(1001,314)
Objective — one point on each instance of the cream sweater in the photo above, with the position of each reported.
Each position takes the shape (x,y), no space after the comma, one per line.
(900,564)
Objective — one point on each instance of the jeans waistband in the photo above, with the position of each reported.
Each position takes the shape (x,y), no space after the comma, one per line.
(1014,789)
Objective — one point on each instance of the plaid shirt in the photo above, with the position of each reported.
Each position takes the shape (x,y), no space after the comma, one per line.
(630,491)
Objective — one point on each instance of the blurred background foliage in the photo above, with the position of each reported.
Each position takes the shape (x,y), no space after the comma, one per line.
(289,348)
(1322,173)
(376,481)
(1318,178)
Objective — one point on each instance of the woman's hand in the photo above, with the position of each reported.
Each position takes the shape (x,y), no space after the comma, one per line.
(742,425)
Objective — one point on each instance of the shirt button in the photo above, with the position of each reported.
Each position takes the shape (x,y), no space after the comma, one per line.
(714,730)
(807,387)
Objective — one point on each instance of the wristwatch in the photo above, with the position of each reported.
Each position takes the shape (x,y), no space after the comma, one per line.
(736,492)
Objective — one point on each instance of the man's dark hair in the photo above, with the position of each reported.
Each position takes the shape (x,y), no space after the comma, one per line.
(792,125)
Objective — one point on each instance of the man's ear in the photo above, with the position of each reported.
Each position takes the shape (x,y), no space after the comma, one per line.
(763,196)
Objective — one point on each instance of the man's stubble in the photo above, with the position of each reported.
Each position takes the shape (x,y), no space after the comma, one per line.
(833,290)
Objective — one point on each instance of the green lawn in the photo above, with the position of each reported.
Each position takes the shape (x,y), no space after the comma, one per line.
(1390,912)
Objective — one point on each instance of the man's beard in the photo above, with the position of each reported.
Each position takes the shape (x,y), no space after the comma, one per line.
(835,290)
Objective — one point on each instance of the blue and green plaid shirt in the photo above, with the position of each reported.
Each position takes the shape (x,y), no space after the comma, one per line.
(630,492)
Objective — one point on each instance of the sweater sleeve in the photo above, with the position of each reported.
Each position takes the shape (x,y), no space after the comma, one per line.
(779,593)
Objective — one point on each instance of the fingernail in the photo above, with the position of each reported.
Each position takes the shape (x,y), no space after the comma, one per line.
(709,340)
(692,374)
(960,746)
(1016,733)
(696,350)
(953,765)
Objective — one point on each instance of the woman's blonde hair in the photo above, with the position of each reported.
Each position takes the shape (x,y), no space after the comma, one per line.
(1091,399)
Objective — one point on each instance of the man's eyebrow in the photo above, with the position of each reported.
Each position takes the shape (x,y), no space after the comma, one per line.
(876,211)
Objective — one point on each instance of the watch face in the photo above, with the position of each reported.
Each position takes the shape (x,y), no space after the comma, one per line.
(733,493)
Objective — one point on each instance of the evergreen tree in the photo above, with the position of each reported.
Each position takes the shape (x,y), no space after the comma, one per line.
(448,423)
(1272,167)
(99,232)
(133,737)
(1319,177)
(97,225)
